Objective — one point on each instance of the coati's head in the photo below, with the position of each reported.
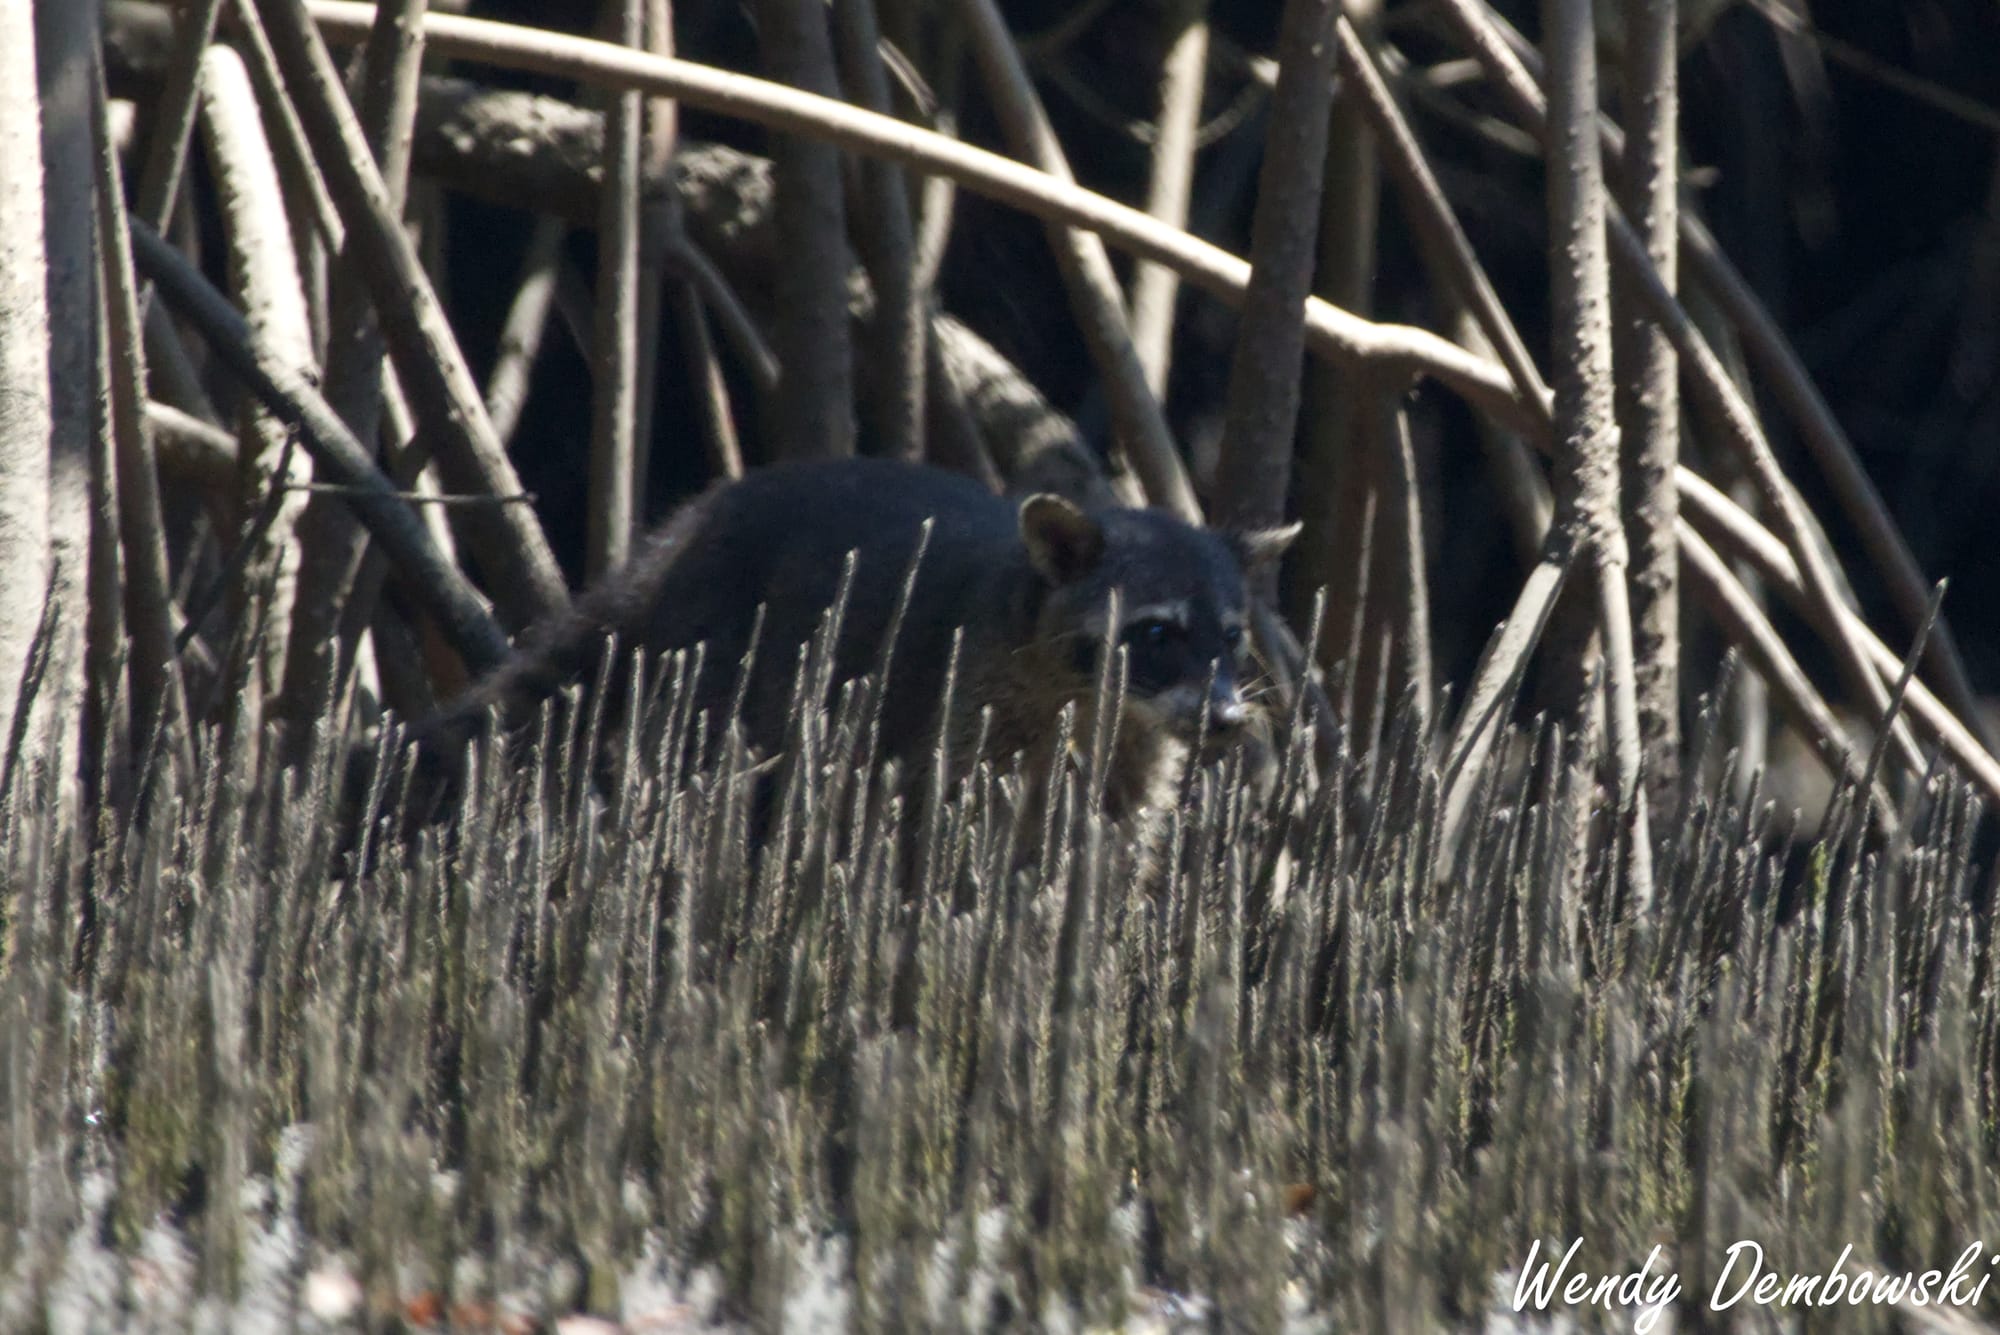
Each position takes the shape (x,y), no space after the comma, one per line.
(1182,606)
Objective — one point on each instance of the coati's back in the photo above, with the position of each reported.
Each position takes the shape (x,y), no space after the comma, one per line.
(1029,587)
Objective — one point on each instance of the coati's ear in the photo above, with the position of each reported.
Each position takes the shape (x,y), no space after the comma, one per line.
(1063,542)
(1260,547)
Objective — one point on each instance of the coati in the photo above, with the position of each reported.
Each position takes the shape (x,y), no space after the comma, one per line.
(1029,584)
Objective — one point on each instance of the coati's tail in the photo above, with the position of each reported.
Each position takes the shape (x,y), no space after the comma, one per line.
(552,653)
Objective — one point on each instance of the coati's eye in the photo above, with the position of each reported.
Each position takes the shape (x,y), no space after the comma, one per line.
(1150,633)
(1232,636)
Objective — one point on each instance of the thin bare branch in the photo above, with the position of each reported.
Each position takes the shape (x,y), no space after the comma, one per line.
(1254,474)
(1716,518)
(1399,605)
(1497,680)
(1332,333)
(815,402)
(264,271)
(884,238)
(1649,404)
(725,449)
(507,540)
(1335,467)
(173,115)
(521,332)
(1586,433)
(66,35)
(659,222)
(1746,625)
(432,579)
(158,701)
(1713,389)
(1430,213)
(1144,441)
(330,541)
(1821,433)
(614,398)
(191,448)
(1183,80)
(296,155)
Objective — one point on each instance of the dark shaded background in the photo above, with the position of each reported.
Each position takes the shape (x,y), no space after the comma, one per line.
(1864,215)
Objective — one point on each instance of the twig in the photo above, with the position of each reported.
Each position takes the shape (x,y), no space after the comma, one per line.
(659,220)
(1331,333)
(1586,429)
(507,540)
(432,579)
(1137,420)
(1649,408)
(725,450)
(1744,539)
(1337,468)
(191,447)
(159,703)
(173,114)
(66,37)
(413,497)
(1747,626)
(329,539)
(614,397)
(1714,389)
(691,264)
(264,270)
(815,401)
(1430,213)
(1253,474)
(1183,80)
(298,156)
(521,332)
(884,238)
(1402,611)
(938,197)
(1503,663)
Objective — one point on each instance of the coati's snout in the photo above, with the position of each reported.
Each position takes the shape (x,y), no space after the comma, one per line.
(1181,606)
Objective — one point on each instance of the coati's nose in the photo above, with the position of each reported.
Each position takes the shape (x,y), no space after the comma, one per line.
(1226,710)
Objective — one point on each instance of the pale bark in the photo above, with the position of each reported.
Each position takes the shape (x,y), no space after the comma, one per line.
(884,237)
(614,395)
(330,541)
(1649,404)
(65,61)
(815,405)
(1139,426)
(159,703)
(1333,467)
(25,421)
(433,580)
(1253,477)
(1587,474)
(264,272)
(1183,79)
(507,540)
